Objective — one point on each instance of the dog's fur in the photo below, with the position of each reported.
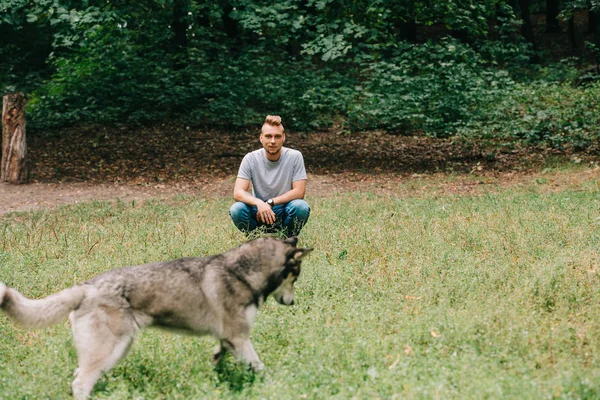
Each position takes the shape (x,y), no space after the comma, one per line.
(217,295)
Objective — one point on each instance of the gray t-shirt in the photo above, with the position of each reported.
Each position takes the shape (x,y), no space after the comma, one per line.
(272,178)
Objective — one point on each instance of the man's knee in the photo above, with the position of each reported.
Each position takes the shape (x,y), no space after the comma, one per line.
(299,208)
(239,212)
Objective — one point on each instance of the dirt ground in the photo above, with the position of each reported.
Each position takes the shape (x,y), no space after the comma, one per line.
(36,196)
(87,164)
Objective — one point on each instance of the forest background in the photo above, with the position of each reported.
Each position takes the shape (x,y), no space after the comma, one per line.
(508,71)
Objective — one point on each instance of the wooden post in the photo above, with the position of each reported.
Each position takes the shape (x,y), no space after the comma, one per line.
(14,147)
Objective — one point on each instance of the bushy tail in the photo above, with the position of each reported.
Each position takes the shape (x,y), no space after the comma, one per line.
(40,313)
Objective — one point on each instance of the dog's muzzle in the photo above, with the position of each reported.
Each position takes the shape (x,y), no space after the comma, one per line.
(285,300)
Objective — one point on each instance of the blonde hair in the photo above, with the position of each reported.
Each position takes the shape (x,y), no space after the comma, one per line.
(273,120)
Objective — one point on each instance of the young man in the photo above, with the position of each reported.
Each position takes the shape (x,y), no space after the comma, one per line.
(278,179)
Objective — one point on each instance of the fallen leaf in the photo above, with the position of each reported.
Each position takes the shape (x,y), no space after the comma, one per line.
(394,363)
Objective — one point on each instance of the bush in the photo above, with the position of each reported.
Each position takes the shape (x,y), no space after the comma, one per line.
(113,83)
(557,115)
(440,88)
(432,87)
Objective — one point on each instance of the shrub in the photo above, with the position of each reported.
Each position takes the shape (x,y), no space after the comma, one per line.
(431,87)
(557,115)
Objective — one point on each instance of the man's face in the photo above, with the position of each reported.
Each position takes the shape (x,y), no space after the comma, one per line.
(272,138)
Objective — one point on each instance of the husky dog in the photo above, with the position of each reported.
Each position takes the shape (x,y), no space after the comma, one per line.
(217,295)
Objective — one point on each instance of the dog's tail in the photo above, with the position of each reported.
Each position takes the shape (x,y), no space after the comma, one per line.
(40,313)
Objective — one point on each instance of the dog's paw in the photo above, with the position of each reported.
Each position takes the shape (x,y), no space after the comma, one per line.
(257,366)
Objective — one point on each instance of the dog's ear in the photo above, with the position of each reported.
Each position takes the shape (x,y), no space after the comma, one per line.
(291,240)
(297,255)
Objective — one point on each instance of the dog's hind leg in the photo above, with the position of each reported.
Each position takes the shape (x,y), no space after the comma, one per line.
(102,338)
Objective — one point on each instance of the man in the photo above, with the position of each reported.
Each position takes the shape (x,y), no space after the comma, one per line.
(278,179)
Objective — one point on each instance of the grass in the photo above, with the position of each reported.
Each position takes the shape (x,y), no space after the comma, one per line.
(440,296)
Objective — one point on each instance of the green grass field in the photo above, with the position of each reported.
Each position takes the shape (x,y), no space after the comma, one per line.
(486,296)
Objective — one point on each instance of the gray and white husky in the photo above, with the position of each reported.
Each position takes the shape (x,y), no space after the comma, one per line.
(217,295)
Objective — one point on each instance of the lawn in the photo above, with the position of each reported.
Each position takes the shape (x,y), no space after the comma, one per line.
(488,295)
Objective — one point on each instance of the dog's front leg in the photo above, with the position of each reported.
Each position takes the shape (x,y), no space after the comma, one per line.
(251,357)
(242,350)
(219,352)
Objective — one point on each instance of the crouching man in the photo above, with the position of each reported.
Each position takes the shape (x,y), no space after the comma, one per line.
(278,179)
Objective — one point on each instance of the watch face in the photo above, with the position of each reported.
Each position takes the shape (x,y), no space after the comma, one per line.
(270,202)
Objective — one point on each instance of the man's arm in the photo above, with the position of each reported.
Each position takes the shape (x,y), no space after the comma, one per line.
(240,193)
(297,192)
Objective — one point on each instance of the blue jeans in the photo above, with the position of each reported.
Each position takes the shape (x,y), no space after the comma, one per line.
(290,217)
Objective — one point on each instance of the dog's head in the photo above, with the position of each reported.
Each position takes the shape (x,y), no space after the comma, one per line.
(284,293)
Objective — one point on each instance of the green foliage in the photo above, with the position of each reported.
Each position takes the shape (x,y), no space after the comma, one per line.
(594,51)
(434,87)
(554,114)
(108,80)
(119,85)
(403,66)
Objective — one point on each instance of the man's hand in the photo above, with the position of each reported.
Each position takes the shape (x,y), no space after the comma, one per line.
(265,214)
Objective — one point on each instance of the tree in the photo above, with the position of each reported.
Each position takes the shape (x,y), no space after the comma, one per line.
(552,11)
(148,61)
(594,18)
(179,27)
(14,168)
(527,27)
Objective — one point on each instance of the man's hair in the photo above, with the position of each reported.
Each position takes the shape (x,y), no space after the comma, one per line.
(273,120)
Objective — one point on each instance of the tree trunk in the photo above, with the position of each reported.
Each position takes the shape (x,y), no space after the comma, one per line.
(14,146)
(527,27)
(230,24)
(552,9)
(571,30)
(179,27)
(406,30)
(405,26)
(596,30)
(592,22)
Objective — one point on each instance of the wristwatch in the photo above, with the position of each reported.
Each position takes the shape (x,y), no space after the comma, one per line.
(270,202)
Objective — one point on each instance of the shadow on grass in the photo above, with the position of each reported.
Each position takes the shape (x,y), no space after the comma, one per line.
(237,376)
